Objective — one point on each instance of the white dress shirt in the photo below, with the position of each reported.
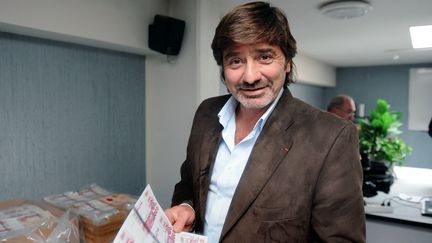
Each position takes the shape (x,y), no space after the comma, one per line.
(230,162)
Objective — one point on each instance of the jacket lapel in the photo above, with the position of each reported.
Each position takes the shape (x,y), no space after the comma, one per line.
(206,166)
(270,148)
(210,145)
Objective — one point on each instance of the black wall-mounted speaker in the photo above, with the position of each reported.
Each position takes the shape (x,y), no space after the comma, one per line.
(166,34)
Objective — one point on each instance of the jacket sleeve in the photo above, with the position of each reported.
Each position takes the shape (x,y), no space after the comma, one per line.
(337,210)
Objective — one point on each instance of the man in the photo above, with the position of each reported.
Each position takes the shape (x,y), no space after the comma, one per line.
(343,106)
(262,166)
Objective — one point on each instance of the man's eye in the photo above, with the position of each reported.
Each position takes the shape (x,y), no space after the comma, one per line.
(266,58)
(235,61)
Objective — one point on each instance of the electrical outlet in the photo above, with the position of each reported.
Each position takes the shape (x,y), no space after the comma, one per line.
(427,207)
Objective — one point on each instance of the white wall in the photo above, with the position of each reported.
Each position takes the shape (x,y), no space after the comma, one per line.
(174,91)
(114,24)
(312,71)
(209,83)
(171,101)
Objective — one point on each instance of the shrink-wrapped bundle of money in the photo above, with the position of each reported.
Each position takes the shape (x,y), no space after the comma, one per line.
(29,221)
(101,212)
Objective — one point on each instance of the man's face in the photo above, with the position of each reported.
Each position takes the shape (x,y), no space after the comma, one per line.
(346,111)
(255,73)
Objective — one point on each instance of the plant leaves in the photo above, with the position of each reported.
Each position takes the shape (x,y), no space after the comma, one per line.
(378,135)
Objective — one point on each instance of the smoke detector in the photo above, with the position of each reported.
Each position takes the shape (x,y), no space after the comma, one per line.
(345,9)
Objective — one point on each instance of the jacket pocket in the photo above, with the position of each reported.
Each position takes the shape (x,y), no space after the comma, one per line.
(279,225)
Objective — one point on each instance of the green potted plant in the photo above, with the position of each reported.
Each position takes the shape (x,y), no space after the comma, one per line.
(381,148)
(379,136)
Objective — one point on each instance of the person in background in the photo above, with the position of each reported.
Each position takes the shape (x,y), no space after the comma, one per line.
(261,165)
(343,106)
(430,128)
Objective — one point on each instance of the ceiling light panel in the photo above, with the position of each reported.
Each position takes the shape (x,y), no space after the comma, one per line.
(421,36)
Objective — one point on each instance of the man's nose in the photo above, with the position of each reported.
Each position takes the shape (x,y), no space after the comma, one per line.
(252,73)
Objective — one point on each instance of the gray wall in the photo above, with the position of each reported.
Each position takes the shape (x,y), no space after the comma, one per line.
(367,84)
(69,116)
(311,94)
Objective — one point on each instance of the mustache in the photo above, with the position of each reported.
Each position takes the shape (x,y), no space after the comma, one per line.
(258,84)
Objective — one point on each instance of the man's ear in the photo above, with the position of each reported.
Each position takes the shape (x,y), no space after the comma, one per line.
(288,67)
(222,75)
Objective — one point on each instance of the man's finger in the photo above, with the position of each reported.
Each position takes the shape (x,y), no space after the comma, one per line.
(179,224)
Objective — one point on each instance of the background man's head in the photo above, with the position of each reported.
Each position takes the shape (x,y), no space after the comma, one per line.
(251,23)
(343,106)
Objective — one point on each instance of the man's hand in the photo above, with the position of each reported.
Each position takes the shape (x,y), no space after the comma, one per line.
(182,217)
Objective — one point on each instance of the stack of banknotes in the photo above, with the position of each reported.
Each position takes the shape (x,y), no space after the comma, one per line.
(147,222)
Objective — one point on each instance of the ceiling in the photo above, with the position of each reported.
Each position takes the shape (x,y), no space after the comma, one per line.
(381,37)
